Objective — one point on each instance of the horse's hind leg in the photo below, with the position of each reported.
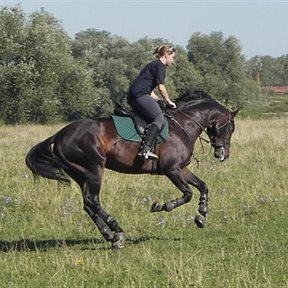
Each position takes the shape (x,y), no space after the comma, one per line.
(107,226)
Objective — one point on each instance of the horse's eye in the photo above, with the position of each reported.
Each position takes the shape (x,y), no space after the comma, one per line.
(211,131)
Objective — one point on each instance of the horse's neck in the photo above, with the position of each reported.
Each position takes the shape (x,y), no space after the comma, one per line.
(203,114)
(196,116)
(192,123)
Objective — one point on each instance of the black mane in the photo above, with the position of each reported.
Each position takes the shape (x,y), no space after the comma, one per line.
(189,95)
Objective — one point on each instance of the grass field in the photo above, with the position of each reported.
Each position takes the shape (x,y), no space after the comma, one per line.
(47,240)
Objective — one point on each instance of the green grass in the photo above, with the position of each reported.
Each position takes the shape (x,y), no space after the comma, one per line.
(269,104)
(47,240)
(277,103)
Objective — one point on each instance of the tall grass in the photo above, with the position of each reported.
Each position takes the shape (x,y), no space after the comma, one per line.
(47,240)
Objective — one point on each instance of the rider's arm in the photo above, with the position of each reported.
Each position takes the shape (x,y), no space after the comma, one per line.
(164,93)
(154,96)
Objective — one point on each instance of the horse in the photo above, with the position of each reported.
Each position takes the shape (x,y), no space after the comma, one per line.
(84,148)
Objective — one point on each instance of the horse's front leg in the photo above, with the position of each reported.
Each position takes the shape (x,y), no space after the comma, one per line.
(180,182)
(203,199)
(182,179)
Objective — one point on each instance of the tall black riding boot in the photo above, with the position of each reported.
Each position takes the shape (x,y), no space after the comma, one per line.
(148,142)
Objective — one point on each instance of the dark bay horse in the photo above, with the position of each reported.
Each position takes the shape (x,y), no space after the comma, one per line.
(83,148)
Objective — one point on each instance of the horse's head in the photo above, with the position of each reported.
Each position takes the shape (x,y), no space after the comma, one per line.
(220,133)
(218,120)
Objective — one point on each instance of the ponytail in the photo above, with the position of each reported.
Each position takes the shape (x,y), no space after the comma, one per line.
(162,50)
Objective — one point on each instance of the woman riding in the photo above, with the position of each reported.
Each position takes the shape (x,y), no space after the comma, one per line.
(143,100)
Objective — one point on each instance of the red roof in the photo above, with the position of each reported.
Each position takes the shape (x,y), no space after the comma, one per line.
(278,89)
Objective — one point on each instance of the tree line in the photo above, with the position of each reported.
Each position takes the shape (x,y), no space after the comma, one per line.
(46,76)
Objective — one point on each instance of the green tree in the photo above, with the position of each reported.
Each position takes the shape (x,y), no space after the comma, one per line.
(47,50)
(254,69)
(114,62)
(283,60)
(12,36)
(40,80)
(271,71)
(76,93)
(14,72)
(221,65)
(91,48)
(185,76)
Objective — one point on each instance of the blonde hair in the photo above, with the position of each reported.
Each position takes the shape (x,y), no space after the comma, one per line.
(162,50)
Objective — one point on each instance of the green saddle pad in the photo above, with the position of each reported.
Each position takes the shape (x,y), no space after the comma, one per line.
(126,129)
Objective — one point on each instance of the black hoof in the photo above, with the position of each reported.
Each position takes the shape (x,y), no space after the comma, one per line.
(199,221)
(156,207)
(118,241)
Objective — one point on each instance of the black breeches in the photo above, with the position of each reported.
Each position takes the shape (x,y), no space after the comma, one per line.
(149,110)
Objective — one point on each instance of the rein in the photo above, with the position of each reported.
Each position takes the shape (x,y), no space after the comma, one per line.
(200,137)
(173,119)
(198,124)
(213,144)
(211,137)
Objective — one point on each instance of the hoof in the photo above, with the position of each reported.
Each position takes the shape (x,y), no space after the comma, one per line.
(118,241)
(156,207)
(199,221)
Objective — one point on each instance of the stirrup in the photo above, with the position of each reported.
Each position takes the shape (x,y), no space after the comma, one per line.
(152,156)
(148,155)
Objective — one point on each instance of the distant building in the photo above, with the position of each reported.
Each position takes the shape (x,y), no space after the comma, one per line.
(276,89)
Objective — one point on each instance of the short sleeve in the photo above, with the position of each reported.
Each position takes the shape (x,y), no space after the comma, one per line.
(160,74)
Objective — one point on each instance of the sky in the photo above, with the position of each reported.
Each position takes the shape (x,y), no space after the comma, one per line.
(260,26)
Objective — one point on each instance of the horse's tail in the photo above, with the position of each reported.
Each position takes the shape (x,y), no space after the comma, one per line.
(42,161)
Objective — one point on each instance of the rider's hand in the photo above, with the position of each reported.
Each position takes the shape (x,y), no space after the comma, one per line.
(162,104)
(172,104)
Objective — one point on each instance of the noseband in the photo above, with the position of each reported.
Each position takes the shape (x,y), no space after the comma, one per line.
(222,145)
(212,137)
(213,143)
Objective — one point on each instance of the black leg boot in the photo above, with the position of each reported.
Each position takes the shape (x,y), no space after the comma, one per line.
(148,143)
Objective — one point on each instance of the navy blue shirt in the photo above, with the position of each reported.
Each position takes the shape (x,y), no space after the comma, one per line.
(150,77)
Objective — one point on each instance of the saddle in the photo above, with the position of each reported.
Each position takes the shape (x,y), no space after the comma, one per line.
(131,126)
(140,123)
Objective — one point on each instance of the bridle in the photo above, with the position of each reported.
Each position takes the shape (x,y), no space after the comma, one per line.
(225,142)
(211,135)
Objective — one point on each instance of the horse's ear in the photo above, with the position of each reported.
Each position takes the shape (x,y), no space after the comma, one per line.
(233,114)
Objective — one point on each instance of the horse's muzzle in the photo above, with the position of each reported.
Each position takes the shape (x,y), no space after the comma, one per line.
(221,153)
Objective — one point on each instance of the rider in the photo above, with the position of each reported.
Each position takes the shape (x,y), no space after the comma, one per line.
(143,100)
